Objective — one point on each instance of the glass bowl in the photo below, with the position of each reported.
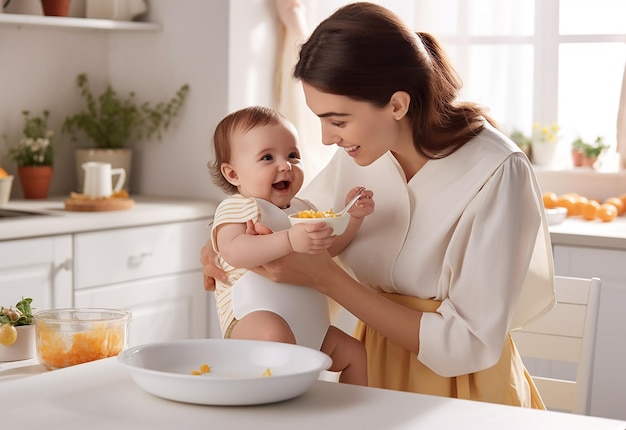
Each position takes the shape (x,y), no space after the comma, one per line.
(65,337)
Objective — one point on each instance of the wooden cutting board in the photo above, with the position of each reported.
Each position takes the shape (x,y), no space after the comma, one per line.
(98,205)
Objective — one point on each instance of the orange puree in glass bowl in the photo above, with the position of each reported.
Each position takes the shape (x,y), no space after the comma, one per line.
(65,337)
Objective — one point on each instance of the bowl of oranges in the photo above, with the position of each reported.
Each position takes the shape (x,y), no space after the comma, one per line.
(559,207)
(6,183)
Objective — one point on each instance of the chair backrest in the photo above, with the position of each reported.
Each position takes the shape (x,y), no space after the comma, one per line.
(567,334)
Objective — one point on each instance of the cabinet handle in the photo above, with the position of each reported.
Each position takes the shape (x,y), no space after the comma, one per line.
(66,265)
(135,260)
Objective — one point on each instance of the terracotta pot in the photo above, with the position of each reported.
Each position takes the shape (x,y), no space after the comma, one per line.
(577,158)
(55,7)
(35,181)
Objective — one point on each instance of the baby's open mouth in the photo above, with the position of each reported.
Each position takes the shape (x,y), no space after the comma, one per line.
(281,185)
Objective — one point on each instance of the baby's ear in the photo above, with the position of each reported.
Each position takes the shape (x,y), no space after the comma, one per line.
(229,174)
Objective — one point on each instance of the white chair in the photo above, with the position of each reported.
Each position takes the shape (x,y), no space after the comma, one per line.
(566,334)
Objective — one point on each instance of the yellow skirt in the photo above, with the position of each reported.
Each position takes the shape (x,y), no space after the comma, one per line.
(393,367)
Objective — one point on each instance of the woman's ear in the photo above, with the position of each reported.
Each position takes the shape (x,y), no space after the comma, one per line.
(229,173)
(399,103)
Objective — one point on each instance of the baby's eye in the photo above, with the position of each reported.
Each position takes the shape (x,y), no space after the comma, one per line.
(267,157)
(294,155)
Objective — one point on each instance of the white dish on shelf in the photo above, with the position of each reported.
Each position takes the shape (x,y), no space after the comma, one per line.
(237,375)
(556,216)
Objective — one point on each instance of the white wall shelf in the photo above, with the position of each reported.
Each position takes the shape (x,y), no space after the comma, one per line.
(19,21)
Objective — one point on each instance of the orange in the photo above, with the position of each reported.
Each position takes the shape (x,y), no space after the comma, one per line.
(623,199)
(549,200)
(566,201)
(617,202)
(607,212)
(590,210)
(3,173)
(579,202)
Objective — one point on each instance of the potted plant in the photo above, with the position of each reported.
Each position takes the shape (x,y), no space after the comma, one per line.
(17,332)
(585,153)
(524,142)
(544,143)
(111,121)
(33,155)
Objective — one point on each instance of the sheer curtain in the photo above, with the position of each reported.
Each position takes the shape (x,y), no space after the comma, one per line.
(289,96)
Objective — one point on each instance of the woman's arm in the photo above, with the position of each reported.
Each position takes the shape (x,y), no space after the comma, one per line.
(362,208)
(319,271)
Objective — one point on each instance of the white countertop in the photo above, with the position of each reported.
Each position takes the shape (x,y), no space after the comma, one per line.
(146,211)
(102,395)
(578,232)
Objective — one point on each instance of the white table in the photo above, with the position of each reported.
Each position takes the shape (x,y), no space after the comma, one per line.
(102,395)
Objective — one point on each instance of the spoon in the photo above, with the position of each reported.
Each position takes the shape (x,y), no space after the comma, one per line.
(351,203)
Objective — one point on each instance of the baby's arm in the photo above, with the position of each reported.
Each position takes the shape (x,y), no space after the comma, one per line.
(363,207)
(244,250)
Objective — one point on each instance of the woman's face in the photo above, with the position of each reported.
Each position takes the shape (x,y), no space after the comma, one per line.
(363,130)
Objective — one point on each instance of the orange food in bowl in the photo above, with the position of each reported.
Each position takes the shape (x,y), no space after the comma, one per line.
(607,212)
(66,337)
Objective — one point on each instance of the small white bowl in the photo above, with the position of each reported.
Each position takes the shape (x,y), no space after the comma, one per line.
(556,216)
(338,223)
(240,372)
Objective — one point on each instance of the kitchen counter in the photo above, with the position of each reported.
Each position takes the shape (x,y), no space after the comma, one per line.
(56,220)
(578,232)
(102,395)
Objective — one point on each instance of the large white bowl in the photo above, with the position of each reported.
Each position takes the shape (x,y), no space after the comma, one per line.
(338,223)
(236,375)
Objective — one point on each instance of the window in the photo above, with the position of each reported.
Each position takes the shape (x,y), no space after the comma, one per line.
(546,61)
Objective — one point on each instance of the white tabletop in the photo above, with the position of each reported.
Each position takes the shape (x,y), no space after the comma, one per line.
(102,395)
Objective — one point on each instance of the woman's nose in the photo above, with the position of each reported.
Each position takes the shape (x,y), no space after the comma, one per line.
(329,138)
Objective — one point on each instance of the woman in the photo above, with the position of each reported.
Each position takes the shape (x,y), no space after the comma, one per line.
(457,253)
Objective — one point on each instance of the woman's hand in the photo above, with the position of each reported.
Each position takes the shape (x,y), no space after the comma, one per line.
(210,271)
(308,270)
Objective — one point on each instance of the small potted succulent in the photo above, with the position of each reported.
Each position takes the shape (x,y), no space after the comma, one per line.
(586,153)
(17,331)
(523,141)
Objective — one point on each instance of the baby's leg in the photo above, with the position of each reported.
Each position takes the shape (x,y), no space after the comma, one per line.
(263,325)
(348,356)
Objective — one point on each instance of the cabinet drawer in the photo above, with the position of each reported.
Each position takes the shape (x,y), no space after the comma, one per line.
(113,256)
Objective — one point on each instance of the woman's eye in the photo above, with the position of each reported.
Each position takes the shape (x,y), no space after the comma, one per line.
(337,123)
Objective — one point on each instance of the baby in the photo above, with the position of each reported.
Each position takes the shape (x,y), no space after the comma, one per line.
(257,162)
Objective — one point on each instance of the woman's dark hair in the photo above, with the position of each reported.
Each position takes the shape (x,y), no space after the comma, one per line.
(240,121)
(365,52)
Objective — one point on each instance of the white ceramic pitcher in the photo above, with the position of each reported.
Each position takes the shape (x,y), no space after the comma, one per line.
(99,179)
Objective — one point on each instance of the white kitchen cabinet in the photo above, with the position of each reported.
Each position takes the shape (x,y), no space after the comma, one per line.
(609,370)
(153,271)
(39,268)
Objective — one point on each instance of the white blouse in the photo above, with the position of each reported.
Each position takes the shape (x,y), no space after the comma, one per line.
(468,229)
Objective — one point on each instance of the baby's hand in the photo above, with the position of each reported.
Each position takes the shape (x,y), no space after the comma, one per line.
(311,238)
(364,206)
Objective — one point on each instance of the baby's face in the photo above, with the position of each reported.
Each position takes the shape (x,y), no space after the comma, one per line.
(265,163)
